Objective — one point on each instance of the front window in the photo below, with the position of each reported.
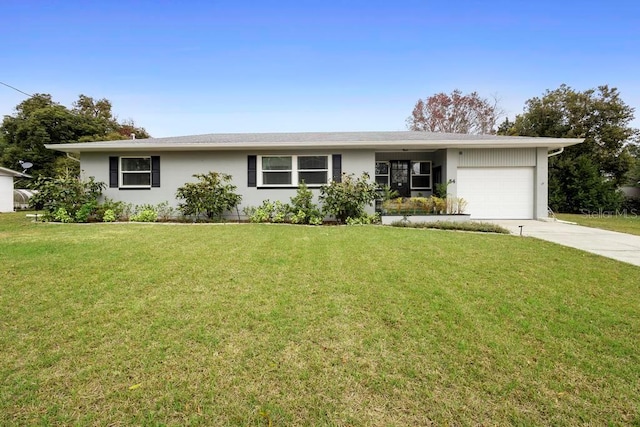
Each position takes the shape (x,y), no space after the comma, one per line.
(288,171)
(382,173)
(421,175)
(276,170)
(313,169)
(135,171)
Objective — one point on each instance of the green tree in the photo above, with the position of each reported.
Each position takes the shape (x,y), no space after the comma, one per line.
(39,120)
(587,175)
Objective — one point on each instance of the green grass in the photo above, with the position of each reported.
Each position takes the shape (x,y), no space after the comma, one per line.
(624,223)
(156,324)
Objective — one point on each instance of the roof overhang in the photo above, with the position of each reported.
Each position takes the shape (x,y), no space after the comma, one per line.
(10,172)
(383,141)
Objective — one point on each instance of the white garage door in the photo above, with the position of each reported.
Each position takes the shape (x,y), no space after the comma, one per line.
(497,193)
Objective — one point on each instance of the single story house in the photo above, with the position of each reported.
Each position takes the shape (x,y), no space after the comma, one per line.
(6,188)
(501,177)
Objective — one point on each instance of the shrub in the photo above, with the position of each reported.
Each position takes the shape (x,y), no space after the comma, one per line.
(61,215)
(364,219)
(303,207)
(117,208)
(145,215)
(109,216)
(483,227)
(86,210)
(631,205)
(165,211)
(211,196)
(69,193)
(269,212)
(349,197)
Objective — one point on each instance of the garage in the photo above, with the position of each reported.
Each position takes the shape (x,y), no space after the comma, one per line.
(497,192)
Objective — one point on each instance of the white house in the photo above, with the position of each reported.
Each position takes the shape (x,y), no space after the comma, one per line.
(501,177)
(6,188)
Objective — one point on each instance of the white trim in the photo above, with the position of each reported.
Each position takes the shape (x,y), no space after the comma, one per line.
(294,171)
(411,174)
(388,174)
(121,172)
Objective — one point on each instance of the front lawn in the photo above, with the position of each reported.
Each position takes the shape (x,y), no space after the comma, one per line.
(626,222)
(156,324)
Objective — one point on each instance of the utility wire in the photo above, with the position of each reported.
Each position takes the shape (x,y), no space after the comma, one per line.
(16,89)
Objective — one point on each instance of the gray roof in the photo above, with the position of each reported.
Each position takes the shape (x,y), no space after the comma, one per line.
(314,140)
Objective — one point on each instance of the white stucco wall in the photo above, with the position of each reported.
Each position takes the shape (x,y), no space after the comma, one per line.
(177,168)
(6,193)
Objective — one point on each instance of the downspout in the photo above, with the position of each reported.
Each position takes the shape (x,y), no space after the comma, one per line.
(72,158)
(548,208)
(556,153)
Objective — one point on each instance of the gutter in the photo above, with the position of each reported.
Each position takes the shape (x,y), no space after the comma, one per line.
(556,153)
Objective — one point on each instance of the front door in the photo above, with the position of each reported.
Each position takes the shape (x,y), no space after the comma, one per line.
(400,177)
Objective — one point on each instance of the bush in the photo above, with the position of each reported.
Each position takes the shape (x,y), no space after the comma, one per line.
(109,216)
(61,215)
(210,197)
(145,215)
(483,227)
(165,211)
(117,208)
(305,211)
(86,210)
(269,212)
(364,220)
(68,193)
(348,198)
(631,205)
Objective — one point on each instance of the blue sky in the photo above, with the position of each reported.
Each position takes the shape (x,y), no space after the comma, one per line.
(192,67)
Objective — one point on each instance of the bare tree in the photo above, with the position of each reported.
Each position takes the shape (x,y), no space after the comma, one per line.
(455,113)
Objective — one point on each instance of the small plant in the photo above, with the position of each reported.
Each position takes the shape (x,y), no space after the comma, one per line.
(61,215)
(280,212)
(269,212)
(364,220)
(315,220)
(145,215)
(86,210)
(109,216)
(165,211)
(441,190)
(116,207)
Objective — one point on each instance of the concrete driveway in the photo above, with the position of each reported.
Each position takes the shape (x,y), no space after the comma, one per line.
(619,246)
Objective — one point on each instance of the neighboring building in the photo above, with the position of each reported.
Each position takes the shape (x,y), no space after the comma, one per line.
(500,176)
(6,188)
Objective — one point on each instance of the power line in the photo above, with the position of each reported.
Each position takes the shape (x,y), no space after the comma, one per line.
(16,89)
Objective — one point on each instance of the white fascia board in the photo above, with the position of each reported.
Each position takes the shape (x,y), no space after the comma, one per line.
(151,146)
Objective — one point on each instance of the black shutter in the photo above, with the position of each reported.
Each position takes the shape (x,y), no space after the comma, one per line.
(155,171)
(113,171)
(336,162)
(252,163)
